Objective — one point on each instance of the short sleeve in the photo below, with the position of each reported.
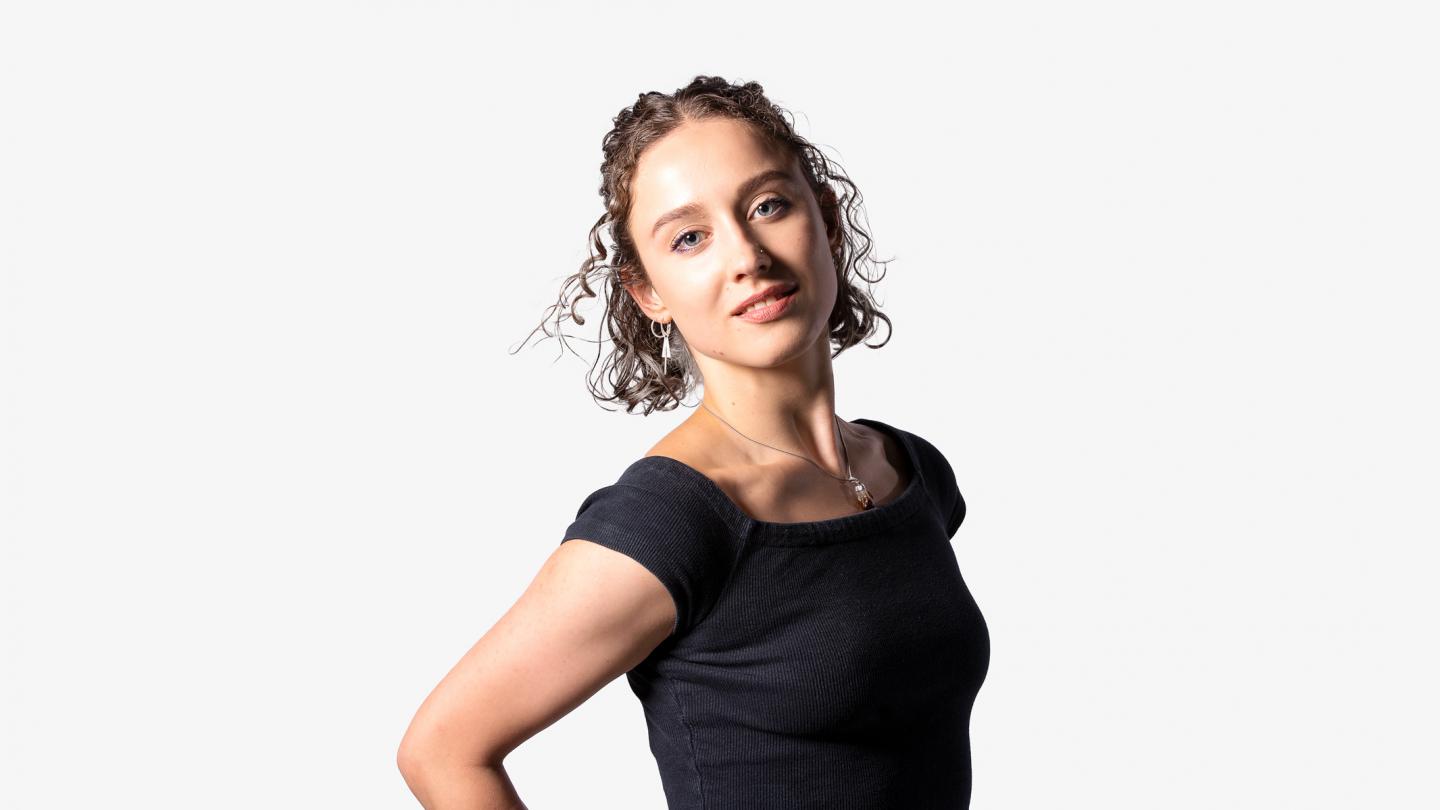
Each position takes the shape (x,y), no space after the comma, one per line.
(941,479)
(671,531)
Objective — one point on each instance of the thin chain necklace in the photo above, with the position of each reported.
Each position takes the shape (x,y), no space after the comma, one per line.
(862,495)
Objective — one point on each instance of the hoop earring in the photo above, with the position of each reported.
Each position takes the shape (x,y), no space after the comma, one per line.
(664,347)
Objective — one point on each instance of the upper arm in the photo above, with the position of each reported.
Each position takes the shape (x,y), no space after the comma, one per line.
(590,615)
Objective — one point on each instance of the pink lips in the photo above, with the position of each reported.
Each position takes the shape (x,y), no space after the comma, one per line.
(773,291)
(771,312)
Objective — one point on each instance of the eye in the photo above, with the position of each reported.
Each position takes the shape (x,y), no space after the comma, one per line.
(779,204)
(675,245)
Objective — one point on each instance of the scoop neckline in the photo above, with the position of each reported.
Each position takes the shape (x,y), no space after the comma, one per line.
(810,532)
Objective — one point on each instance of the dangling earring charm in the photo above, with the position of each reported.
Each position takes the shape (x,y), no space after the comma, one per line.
(664,347)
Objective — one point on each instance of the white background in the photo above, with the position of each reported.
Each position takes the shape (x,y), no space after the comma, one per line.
(1163,291)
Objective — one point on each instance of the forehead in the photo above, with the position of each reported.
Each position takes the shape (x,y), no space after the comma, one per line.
(700,160)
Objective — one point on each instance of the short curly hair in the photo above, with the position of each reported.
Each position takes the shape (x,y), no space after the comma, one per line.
(632,373)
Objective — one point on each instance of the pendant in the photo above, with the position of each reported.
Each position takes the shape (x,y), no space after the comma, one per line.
(862,494)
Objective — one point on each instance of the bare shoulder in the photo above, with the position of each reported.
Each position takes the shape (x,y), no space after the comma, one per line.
(694,446)
(687,443)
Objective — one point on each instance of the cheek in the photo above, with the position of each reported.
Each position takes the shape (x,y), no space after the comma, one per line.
(699,303)
(823,259)
(819,240)
(827,277)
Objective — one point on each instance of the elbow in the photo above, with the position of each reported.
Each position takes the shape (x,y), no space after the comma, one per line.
(418,754)
(418,757)
(411,761)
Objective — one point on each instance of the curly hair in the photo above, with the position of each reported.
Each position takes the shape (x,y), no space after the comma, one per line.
(632,372)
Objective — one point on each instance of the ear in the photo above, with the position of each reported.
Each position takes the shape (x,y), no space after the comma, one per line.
(648,300)
(830,215)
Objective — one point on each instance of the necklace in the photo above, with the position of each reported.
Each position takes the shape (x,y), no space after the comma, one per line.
(862,495)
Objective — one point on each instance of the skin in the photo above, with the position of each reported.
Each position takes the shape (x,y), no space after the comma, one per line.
(591,614)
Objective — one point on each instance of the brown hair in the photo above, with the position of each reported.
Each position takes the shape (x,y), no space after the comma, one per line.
(633,366)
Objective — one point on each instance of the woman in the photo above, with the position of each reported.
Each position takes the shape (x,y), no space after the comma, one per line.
(776,583)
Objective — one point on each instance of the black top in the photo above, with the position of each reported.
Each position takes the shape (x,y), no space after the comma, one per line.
(824,664)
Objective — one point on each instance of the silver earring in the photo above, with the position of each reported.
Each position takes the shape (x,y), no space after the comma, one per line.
(664,347)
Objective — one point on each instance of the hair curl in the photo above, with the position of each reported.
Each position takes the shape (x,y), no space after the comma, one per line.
(633,370)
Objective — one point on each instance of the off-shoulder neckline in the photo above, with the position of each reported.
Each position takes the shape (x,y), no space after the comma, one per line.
(810,532)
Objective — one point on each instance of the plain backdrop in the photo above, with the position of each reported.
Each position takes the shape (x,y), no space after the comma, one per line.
(1163,288)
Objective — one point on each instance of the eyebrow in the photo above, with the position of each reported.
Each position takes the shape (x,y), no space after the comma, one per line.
(746,189)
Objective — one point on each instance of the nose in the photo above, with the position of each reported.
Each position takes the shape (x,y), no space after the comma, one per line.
(750,258)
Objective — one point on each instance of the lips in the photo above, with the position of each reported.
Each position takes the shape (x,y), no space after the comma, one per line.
(773,291)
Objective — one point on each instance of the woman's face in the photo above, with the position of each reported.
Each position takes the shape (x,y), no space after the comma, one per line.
(706,199)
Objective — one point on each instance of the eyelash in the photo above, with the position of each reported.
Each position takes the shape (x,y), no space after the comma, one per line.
(783,204)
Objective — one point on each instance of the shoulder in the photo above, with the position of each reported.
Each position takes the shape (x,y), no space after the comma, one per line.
(939,477)
(931,456)
(656,495)
(686,459)
(664,488)
(934,466)
(657,517)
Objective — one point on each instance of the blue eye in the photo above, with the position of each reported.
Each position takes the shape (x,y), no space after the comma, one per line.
(676,244)
(779,203)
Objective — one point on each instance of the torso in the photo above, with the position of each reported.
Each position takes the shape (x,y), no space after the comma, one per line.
(788,489)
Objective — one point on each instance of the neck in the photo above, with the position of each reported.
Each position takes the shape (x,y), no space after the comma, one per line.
(790,406)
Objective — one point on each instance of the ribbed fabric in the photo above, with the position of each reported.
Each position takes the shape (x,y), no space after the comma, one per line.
(825,664)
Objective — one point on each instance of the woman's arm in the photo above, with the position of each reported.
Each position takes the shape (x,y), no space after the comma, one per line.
(590,615)
(480,787)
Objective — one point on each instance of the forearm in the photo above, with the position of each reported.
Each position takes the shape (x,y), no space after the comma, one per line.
(475,787)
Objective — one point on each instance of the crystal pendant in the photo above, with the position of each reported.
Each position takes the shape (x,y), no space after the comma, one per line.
(862,494)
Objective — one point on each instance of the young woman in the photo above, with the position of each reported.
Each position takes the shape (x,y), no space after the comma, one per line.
(776,583)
